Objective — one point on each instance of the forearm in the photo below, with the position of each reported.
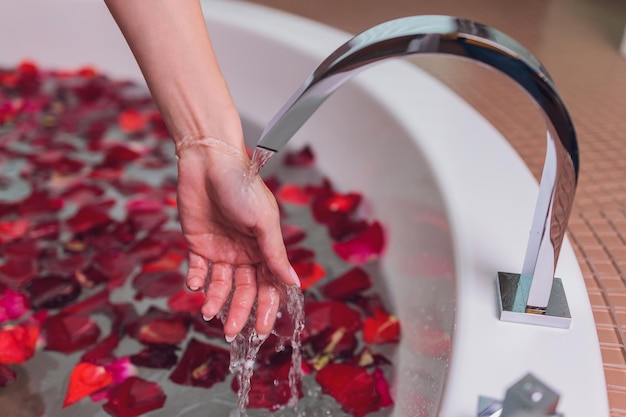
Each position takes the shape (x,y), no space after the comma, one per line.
(171,44)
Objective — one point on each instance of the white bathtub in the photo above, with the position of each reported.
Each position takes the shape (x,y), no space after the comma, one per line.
(455,198)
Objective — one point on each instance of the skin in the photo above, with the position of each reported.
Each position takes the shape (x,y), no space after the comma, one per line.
(228,216)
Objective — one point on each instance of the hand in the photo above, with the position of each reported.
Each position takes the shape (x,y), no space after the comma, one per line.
(231,222)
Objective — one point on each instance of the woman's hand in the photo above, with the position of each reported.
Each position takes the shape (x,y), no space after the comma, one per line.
(231,222)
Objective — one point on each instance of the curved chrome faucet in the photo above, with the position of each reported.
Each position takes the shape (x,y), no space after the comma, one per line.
(450,35)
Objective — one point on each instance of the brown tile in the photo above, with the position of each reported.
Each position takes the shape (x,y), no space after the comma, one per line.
(615,377)
(608,335)
(617,399)
(602,315)
(597,299)
(612,355)
(616,299)
(613,284)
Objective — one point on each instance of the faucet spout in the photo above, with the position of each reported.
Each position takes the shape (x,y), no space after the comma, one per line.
(449,35)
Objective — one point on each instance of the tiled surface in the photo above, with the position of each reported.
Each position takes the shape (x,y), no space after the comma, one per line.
(578,42)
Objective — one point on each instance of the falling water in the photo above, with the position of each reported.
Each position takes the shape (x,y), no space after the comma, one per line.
(260,158)
(245,347)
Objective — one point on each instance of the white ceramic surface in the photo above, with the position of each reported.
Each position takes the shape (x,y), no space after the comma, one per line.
(455,198)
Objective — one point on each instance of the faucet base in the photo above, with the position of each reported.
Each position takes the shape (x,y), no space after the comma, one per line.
(513,289)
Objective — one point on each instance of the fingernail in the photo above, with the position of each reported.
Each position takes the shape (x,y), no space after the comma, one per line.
(263,336)
(205,318)
(229,338)
(294,276)
(194,284)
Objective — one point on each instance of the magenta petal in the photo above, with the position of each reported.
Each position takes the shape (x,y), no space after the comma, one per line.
(121,369)
(364,247)
(202,365)
(133,397)
(13,305)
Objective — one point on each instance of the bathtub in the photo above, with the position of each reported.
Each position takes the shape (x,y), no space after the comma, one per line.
(455,198)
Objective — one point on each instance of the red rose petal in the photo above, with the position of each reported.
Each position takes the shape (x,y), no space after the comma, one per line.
(52,291)
(102,352)
(95,303)
(86,378)
(300,254)
(163,330)
(17,343)
(131,121)
(353,387)
(186,301)
(159,356)
(302,158)
(89,217)
(292,234)
(7,375)
(68,333)
(364,247)
(134,397)
(202,365)
(147,249)
(335,342)
(347,285)
(382,328)
(17,271)
(293,194)
(158,284)
(169,261)
(321,315)
(13,229)
(39,203)
(382,387)
(309,273)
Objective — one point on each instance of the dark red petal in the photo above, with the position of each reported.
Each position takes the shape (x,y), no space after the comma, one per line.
(347,285)
(7,375)
(169,261)
(89,217)
(342,228)
(69,333)
(202,365)
(335,342)
(353,387)
(300,254)
(309,273)
(102,352)
(15,272)
(158,284)
(133,397)
(159,356)
(147,249)
(52,291)
(82,193)
(321,315)
(158,326)
(382,387)
(98,302)
(292,234)
(303,157)
(211,329)
(119,154)
(186,301)
(39,203)
(364,247)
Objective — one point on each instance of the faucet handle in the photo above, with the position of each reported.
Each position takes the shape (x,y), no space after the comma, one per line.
(528,397)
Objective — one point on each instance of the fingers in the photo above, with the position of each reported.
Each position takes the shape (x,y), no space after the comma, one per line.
(268,301)
(197,272)
(220,284)
(244,294)
(272,247)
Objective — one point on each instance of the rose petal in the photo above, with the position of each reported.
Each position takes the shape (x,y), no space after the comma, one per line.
(7,375)
(102,352)
(382,328)
(17,343)
(52,291)
(13,305)
(88,218)
(321,315)
(364,247)
(202,365)
(353,388)
(292,234)
(301,158)
(131,121)
(69,333)
(158,284)
(15,272)
(382,387)
(347,285)
(158,326)
(158,356)
(86,378)
(293,194)
(186,301)
(133,397)
(309,273)
(13,229)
